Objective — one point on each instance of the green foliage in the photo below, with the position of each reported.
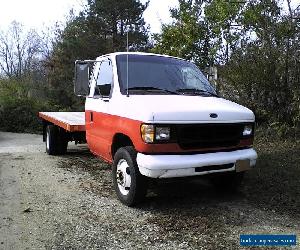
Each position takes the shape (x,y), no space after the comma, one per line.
(278,131)
(100,29)
(19,110)
(115,18)
(20,115)
(221,17)
(263,74)
(198,31)
(187,37)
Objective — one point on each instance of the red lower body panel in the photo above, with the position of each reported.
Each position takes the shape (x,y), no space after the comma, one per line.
(101,129)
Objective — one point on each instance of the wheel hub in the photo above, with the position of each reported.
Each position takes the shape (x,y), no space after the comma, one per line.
(120,178)
(123,177)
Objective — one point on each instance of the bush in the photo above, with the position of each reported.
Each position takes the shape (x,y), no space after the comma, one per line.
(19,111)
(20,115)
(22,98)
(277,132)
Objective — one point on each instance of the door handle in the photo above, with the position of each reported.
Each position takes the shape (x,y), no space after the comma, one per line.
(91,116)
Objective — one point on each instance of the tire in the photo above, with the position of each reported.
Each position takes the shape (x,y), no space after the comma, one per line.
(228,181)
(129,184)
(56,140)
(63,143)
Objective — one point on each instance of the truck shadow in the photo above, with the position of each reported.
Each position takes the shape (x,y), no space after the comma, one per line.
(187,191)
(193,211)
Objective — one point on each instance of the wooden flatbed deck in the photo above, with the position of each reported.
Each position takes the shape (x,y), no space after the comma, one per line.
(70,121)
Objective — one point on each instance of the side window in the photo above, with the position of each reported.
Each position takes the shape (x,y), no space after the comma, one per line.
(104,80)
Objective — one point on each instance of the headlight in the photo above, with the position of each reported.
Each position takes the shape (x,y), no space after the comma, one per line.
(248,130)
(147,132)
(150,133)
(162,133)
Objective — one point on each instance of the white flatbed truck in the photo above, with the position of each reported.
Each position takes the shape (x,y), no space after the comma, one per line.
(154,116)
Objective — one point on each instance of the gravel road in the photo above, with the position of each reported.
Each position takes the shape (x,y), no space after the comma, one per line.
(67,202)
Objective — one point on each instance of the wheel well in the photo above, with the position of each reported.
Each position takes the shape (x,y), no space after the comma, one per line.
(120,140)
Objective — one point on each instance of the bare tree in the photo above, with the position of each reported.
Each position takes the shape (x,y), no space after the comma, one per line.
(19,50)
(290,9)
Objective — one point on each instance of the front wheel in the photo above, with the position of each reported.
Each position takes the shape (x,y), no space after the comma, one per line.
(129,184)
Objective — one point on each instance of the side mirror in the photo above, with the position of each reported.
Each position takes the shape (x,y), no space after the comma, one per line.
(82,77)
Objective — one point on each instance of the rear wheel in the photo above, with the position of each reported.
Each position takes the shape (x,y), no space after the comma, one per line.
(129,184)
(228,181)
(56,140)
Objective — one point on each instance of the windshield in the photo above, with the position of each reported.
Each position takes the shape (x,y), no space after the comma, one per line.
(149,74)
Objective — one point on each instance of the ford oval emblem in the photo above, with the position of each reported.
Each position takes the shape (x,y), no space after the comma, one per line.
(213,115)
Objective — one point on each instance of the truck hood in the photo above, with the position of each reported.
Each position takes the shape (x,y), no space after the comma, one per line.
(183,109)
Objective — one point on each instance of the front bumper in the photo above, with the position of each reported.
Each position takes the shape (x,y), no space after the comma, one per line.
(169,166)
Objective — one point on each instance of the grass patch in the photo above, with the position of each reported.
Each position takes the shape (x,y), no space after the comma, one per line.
(275,182)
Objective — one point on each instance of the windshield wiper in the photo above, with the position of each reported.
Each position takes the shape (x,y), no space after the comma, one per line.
(153,89)
(196,91)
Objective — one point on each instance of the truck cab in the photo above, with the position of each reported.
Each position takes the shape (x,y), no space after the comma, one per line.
(156,116)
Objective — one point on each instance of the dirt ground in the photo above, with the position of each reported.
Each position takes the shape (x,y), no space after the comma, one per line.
(68,202)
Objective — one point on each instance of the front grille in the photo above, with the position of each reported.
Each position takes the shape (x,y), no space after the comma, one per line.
(195,136)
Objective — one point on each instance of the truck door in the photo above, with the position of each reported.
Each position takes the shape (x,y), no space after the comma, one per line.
(98,120)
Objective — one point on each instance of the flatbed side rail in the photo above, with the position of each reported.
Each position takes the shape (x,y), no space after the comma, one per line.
(65,120)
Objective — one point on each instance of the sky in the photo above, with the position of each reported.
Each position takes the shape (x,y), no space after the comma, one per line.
(40,13)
